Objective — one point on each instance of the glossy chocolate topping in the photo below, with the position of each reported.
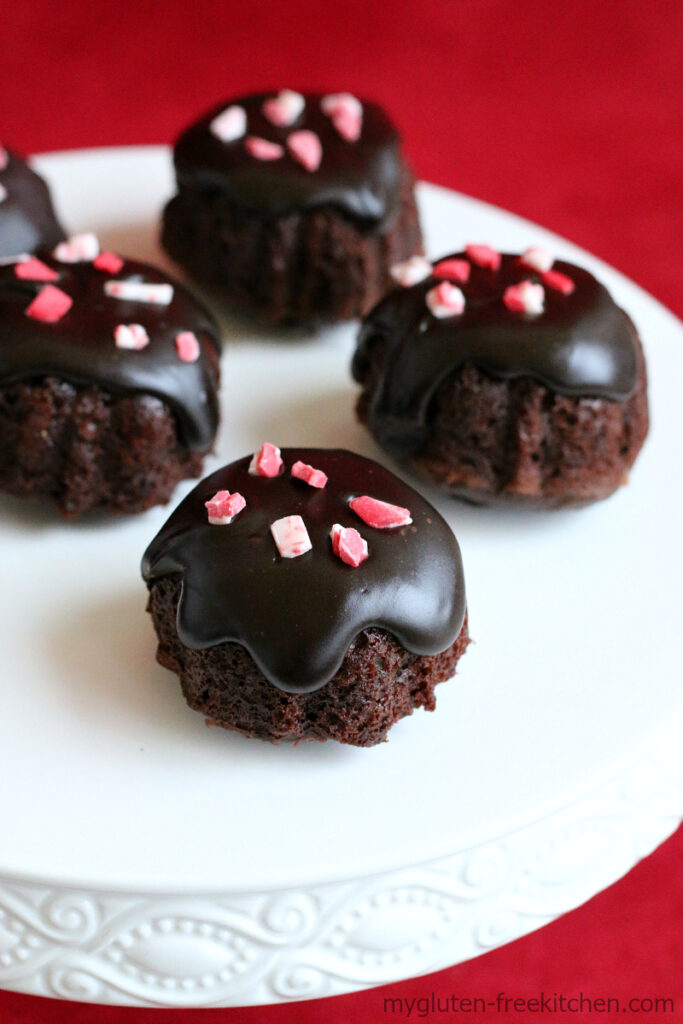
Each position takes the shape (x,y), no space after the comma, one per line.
(298,616)
(80,347)
(27,220)
(581,345)
(360,178)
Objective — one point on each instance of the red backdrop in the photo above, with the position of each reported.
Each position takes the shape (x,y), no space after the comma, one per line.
(568,114)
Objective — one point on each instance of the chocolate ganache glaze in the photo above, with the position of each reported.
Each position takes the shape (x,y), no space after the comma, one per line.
(27,220)
(581,345)
(298,616)
(361,178)
(80,347)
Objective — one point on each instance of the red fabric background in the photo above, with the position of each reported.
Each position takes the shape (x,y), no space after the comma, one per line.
(568,114)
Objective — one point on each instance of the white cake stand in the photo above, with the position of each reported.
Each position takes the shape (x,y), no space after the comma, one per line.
(146,859)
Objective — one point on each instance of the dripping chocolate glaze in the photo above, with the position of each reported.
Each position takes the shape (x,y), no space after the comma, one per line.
(27,220)
(80,347)
(361,178)
(582,345)
(298,616)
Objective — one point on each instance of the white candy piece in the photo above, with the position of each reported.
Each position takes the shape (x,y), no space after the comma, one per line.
(138,291)
(3,193)
(78,249)
(411,271)
(445,300)
(283,109)
(336,100)
(132,336)
(230,124)
(537,258)
(291,536)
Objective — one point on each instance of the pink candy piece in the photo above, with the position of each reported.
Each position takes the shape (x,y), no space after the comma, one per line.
(266,462)
(305,147)
(109,262)
(223,507)
(453,269)
(132,336)
(49,305)
(380,514)
(139,291)
(230,124)
(559,282)
(346,114)
(77,249)
(262,149)
(411,271)
(525,297)
(314,477)
(537,258)
(4,158)
(445,300)
(483,256)
(283,109)
(291,536)
(348,545)
(35,270)
(187,346)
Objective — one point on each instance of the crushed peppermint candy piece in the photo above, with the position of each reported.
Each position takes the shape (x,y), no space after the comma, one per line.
(559,282)
(348,545)
(187,346)
(133,336)
(345,113)
(4,158)
(34,269)
(380,514)
(3,193)
(314,477)
(283,109)
(525,297)
(305,147)
(262,149)
(223,507)
(267,461)
(445,300)
(453,269)
(138,291)
(77,249)
(483,256)
(110,262)
(411,271)
(230,124)
(291,536)
(49,305)
(536,258)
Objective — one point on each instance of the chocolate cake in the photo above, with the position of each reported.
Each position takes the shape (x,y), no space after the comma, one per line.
(27,219)
(108,378)
(504,378)
(292,207)
(307,593)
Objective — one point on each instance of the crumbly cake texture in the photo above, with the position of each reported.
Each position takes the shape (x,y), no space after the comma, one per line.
(307,593)
(27,217)
(530,388)
(306,234)
(108,381)
(379,682)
